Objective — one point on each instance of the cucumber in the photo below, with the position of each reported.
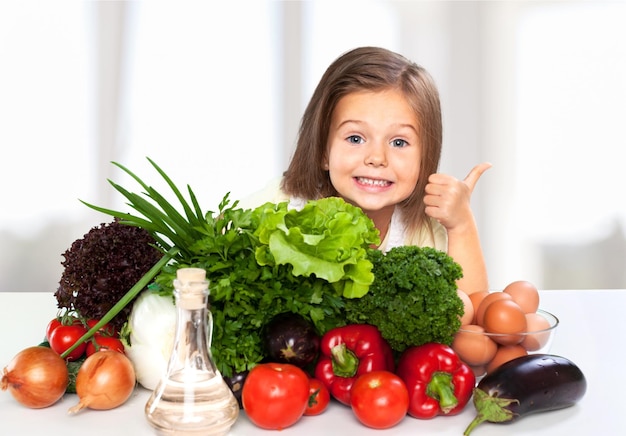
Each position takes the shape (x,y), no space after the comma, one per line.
(525,385)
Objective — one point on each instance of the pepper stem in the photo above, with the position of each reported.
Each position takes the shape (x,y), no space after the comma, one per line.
(440,388)
(344,361)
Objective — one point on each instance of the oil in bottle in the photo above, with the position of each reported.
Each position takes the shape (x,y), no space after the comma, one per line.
(192,398)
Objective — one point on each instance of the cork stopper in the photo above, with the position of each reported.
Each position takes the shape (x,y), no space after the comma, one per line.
(192,286)
(187,275)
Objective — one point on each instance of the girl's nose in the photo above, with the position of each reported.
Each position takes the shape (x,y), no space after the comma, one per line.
(376,156)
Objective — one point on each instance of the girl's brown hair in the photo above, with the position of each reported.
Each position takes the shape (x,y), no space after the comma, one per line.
(371,69)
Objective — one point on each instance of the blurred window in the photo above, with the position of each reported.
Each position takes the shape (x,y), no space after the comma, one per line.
(46,113)
(571,82)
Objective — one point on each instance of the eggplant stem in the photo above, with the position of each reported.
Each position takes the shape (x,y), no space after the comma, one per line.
(491,409)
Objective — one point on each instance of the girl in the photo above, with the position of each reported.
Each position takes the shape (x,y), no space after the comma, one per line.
(372,135)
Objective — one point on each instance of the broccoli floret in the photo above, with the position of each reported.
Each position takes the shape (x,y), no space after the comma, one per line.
(102,266)
(413,299)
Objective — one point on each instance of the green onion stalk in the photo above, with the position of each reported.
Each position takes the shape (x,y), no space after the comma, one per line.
(172,231)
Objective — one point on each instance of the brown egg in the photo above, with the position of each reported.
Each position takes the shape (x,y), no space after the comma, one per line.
(490,298)
(525,294)
(468,308)
(472,346)
(504,354)
(536,323)
(477,298)
(507,319)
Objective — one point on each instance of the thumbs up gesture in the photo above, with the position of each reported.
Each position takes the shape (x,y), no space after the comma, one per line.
(448,200)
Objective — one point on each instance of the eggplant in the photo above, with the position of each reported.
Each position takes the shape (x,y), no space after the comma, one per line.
(235,383)
(291,338)
(526,385)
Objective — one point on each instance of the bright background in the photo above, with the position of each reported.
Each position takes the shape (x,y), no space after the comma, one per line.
(213,92)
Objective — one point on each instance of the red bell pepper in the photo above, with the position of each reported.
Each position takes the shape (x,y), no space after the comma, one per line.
(346,353)
(439,383)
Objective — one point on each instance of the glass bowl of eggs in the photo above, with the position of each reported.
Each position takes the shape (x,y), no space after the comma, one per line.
(498,326)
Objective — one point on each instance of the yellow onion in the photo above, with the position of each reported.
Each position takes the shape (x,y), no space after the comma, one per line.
(105,380)
(36,377)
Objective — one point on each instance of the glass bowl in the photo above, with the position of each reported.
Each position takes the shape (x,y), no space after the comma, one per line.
(484,351)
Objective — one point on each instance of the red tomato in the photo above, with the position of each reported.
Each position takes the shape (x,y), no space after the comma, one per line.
(52,325)
(59,321)
(379,399)
(64,336)
(319,397)
(102,342)
(105,330)
(275,395)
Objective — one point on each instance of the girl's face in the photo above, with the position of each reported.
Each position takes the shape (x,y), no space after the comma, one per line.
(374,151)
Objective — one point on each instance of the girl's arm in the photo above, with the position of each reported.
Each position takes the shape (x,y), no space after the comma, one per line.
(448,201)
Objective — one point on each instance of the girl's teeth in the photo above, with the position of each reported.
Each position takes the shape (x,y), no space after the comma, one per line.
(372,182)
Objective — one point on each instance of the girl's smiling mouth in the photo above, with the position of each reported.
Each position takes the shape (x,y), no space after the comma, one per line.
(372,182)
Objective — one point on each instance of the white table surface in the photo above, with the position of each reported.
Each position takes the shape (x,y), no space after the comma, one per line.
(591,333)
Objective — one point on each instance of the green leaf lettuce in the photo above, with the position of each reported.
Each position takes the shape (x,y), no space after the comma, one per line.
(327,238)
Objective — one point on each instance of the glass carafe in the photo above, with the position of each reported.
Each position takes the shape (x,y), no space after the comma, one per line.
(192,398)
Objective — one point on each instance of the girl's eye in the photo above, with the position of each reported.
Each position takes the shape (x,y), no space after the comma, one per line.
(399,143)
(355,139)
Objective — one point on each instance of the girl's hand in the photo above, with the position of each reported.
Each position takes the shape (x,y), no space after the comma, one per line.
(448,200)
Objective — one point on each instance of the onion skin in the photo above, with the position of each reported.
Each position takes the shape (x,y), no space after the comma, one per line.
(104,381)
(36,377)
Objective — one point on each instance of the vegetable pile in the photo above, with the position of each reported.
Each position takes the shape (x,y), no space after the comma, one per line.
(315,262)
(304,312)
